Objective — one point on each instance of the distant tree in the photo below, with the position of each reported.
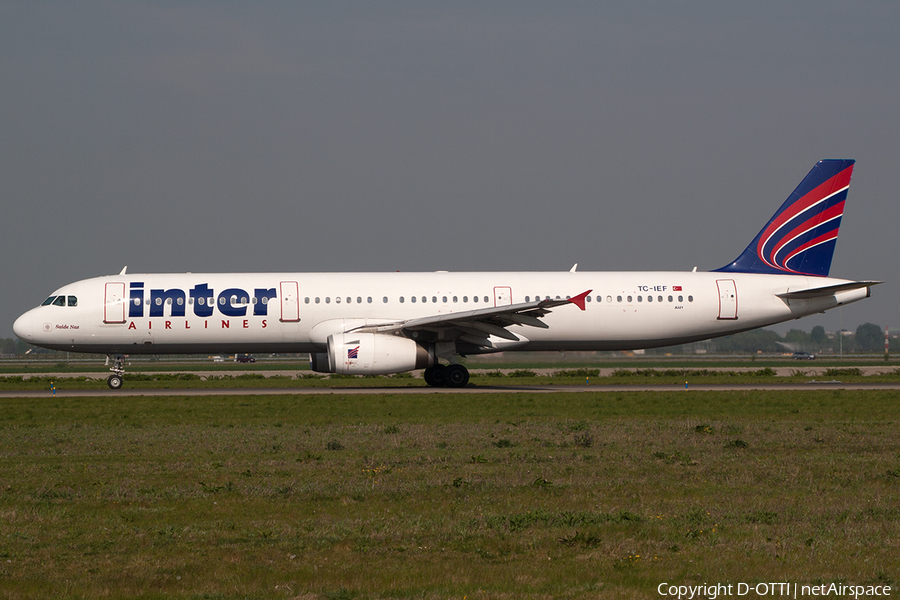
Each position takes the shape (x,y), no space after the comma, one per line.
(797,339)
(15,346)
(8,346)
(869,338)
(817,337)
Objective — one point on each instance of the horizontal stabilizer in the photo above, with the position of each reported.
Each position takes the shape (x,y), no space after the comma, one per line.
(826,291)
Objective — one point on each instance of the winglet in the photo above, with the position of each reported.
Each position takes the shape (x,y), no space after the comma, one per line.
(579,300)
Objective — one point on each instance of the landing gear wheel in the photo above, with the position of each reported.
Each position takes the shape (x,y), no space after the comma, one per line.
(457,376)
(436,376)
(116,380)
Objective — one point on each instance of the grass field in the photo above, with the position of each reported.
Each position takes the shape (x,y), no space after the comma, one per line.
(594,495)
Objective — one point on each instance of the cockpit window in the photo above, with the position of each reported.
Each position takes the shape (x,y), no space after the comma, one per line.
(48,301)
(73,301)
(60,301)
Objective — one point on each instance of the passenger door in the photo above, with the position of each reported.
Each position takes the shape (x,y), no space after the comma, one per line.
(114,302)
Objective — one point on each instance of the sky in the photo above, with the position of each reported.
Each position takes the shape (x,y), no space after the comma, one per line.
(422,136)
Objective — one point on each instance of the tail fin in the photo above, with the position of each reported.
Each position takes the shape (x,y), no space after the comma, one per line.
(800,237)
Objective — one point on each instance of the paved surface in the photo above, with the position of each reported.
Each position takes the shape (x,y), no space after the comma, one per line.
(806,367)
(472,389)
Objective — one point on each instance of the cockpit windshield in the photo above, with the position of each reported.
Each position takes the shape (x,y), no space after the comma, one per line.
(60,301)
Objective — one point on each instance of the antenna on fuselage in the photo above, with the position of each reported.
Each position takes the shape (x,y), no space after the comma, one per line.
(122,272)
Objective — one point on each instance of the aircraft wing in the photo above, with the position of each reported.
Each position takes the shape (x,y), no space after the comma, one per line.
(475,326)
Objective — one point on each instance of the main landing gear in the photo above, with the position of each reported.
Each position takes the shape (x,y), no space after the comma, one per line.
(455,376)
(116,380)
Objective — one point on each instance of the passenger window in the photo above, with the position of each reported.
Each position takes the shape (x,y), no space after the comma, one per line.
(640,299)
(317,299)
(681,298)
(455,299)
(369,299)
(73,301)
(424,299)
(412,299)
(349,300)
(609,299)
(474,298)
(659,299)
(649,298)
(336,300)
(527,298)
(401,299)
(670,298)
(690,298)
(618,298)
(359,300)
(306,300)
(465,298)
(384,299)
(629,299)
(181,301)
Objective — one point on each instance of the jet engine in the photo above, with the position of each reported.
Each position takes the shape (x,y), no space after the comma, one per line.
(370,354)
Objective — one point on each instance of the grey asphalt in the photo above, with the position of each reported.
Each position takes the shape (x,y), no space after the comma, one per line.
(472,389)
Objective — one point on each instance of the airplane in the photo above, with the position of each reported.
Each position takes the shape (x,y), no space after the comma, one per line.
(383,323)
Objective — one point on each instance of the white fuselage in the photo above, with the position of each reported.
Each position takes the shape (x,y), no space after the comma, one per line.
(296,312)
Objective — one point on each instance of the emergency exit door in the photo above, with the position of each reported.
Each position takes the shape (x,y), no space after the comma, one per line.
(502,296)
(727,299)
(289,295)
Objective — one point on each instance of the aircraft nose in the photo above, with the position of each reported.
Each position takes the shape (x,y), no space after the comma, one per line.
(23,327)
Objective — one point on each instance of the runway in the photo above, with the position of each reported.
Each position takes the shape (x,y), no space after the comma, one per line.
(472,389)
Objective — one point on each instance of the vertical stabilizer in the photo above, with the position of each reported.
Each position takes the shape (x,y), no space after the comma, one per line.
(800,237)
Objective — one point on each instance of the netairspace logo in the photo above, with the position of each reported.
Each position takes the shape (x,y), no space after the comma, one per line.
(779,589)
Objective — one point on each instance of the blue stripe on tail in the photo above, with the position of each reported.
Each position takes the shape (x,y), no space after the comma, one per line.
(800,237)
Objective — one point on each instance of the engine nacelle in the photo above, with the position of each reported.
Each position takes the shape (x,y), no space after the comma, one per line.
(370,354)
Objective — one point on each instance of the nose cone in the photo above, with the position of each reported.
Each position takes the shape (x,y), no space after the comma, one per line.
(24,327)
